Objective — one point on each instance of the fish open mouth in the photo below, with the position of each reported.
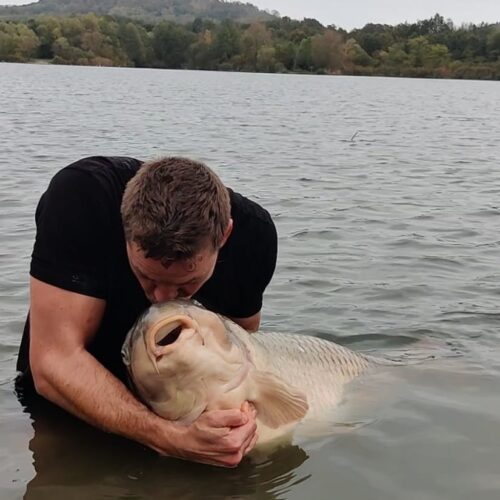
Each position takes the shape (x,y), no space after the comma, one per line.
(169,337)
(166,332)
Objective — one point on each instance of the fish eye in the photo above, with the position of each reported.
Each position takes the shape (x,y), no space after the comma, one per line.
(170,336)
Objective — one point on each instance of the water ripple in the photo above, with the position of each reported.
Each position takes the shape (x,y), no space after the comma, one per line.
(388,239)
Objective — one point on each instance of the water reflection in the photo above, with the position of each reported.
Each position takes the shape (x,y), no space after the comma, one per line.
(74,460)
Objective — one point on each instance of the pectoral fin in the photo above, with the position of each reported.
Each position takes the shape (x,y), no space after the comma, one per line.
(277,402)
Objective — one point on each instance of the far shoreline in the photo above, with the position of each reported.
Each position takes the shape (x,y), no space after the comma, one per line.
(48,62)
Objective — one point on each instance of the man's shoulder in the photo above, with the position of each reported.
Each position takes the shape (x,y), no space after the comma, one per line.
(110,173)
(254,232)
(244,209)
(93,184)
(106,164)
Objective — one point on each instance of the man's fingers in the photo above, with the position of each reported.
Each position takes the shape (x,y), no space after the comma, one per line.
(241,438)
(228,435)
(249,409)
(227,418)
(252,444)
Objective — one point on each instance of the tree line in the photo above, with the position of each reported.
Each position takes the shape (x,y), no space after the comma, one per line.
(179,11)
(428,48)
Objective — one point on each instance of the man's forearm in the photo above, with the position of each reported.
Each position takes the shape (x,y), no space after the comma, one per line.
(81,385)
(77,382)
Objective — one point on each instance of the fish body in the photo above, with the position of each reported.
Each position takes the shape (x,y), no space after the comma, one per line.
(183,360)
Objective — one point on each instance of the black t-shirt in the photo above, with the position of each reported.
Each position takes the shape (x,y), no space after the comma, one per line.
(80,246)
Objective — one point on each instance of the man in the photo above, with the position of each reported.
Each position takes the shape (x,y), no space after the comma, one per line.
(114,235)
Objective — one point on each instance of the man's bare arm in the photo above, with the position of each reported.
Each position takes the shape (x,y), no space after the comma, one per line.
(62,323)
(251,324)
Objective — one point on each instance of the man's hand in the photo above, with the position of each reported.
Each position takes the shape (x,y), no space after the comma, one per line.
(217,437)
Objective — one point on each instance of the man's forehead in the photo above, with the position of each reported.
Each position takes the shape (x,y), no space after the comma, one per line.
(178,271)
(198,264)
(189,265)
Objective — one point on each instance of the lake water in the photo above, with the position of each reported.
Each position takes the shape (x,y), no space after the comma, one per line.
(386,196)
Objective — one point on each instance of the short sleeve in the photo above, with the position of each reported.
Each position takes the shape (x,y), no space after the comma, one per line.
(243,271)
(258,272)
(72,227)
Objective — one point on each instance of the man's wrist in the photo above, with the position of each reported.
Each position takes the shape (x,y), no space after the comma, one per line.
(160,434)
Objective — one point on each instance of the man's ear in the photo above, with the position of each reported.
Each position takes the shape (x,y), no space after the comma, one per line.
(227,232)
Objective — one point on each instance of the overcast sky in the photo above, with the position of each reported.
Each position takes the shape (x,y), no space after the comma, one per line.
(349,14)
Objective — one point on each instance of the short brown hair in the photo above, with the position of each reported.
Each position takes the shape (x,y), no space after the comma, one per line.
(175,207)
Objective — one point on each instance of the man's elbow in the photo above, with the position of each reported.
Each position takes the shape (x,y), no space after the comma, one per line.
(253,326)
(250,324)
(40,371)
(40,381)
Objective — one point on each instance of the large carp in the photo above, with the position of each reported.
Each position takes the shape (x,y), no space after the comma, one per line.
(183,359)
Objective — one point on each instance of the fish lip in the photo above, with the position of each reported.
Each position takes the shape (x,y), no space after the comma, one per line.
(154,351)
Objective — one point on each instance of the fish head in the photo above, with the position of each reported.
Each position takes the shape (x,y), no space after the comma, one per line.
(181,359)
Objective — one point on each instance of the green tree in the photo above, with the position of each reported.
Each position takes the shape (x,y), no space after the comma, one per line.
(8,42)
(72,29)
(418,49)
(374,37)
(197,26)
(397,56)
(437,55)
(298,35)
(135,43)
(423,54)
(432,47)
(65,53)
(170,44)
(201,53)
(304,55)
(266,59)
(493,44)
(355,54)
(48,30)
(285,54)
(201,25)
(227,41)
(17,42)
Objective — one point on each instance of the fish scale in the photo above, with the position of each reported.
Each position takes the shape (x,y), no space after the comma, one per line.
(316,366)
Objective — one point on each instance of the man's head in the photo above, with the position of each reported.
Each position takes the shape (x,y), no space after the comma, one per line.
(176,215)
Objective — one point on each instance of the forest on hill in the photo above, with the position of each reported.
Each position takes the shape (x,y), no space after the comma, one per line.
(179,11)
(428,48)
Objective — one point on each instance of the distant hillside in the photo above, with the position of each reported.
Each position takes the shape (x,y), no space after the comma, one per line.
(180,11)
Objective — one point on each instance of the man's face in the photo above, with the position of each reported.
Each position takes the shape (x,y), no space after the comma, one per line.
(179,279)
